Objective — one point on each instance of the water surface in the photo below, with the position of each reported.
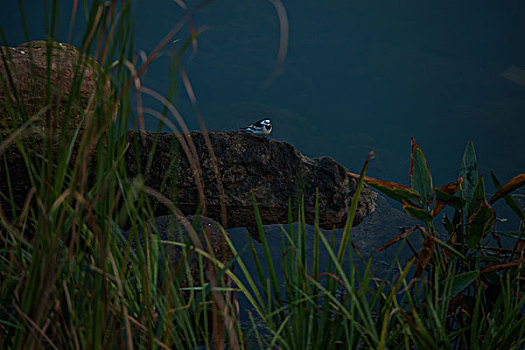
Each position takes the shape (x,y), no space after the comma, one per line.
(358,75)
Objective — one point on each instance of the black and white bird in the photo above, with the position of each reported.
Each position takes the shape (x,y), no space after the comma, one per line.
(261,127)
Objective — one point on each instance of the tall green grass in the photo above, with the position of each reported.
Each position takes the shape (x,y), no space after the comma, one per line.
(70,277)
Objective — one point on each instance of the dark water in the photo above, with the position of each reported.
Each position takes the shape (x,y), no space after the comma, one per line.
(358,75)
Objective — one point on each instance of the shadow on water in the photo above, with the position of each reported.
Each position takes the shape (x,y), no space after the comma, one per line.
(240,239)
(369,235)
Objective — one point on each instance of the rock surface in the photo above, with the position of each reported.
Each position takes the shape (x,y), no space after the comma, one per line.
(73,79)
(274,171)
(73,82)
(381,226)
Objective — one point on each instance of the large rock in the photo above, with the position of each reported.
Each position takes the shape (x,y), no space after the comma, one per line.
(275,172)
(73,80)
(61,97)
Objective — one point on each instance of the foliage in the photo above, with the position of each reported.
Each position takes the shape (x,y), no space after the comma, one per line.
(457,298)
(70,276)
(472,267)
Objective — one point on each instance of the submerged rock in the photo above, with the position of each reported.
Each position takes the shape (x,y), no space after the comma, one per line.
(274,171)
(171,230)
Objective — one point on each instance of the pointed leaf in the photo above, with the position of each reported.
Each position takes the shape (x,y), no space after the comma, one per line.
(393,190)
(417,213)
(515,183)
(469,172)
(448,225)
(478,196)
(397,238)
(508,199)
(461,281)
(445,195)
(457,227)
(420,177)
(452,187)
(443,198)
(515,235)
(480,223)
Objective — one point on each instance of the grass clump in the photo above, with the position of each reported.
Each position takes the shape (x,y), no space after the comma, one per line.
(70,277)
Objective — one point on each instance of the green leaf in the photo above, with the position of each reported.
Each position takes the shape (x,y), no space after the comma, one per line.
(449,199)
(448,225)
(515,235)
(391,189)
(445,195)
(399,194)
(461,281)
(418,213)
(480,223)
(469,172)
(420,177)
(450,249)
(478,197)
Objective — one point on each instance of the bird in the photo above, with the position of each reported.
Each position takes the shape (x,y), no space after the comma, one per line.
(261,127)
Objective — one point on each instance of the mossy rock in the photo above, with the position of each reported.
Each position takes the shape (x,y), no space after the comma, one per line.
(55,81)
